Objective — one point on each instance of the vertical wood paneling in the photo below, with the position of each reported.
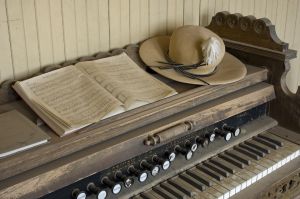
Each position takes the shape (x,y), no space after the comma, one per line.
(125,23)
(17,38)
(115,23)
(211,10)
(44,31)
(134,21)
(281,17)
(31,36)
(154,17)
(204,13)
(191,12)
(144,19)
(296,43)
(93,25)
(219,6)
(171,18)
(196,12)
(81,27)
(290,38)
(179,12)
(232,6)
(57,31)
(271,10)
(226,5)
(6,68)
(35,33)
(104,25)
(69,21)
(260,8)
(188,12)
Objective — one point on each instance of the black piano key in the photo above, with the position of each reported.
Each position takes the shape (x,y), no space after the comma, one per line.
(222,165)
(265,142)
(163,192)
(183,186)
(216,169)
(192,181)
(200,178)
(148,195)
(259,148)
(173,190)
(210,172)
(266,137)
(252,149)
(238,157)
(247,153)
(232,161)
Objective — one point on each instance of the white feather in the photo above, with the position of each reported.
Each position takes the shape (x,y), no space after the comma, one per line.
(211,50)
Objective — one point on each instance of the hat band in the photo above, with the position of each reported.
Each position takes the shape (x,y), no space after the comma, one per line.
(182,69)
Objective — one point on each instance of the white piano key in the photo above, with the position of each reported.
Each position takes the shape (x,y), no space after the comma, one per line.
(249,182)
(244,185)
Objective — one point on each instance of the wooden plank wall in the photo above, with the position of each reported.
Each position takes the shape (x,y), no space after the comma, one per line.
(36,33)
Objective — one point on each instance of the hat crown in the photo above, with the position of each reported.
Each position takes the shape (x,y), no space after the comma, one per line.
(188,43)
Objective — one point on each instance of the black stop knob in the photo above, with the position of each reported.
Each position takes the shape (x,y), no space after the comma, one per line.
(171,156)
(101,194)
(115,187)
(154,169)
(77,194)
(141,175)
(192,146)
(210,136)
(127,181)
(165,164)
(186,152)
(202,141)
(225,134)
(235,131)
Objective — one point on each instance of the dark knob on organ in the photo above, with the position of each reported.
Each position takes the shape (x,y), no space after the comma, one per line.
(154,169)
(203,141)
(225,134)
(184,151)
(77,194)
(101,194)
(165,164)
(192,146)
(115,187)
(127,181)
(235,131)
(141,175)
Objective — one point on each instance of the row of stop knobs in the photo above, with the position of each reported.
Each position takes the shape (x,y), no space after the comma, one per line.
(155,165)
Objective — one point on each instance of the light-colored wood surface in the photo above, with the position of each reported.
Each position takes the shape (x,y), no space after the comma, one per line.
(122,123)
(36,33)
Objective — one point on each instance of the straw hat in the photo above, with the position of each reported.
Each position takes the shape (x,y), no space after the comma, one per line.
(194,55)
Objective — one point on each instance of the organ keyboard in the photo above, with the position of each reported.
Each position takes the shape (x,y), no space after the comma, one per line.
(205,142)
(228,173)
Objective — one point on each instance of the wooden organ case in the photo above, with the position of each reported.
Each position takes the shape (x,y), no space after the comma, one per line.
(236,140)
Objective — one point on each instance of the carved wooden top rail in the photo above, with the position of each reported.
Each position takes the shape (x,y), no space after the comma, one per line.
(255,42)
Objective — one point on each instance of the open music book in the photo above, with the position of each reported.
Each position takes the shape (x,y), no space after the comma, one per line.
(76,96)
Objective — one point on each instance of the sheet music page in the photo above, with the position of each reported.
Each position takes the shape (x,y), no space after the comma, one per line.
(126,80)
(70,96)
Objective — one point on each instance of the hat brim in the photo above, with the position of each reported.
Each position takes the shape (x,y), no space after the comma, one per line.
(154,50)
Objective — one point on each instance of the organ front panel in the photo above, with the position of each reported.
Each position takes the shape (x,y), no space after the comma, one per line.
(206,142)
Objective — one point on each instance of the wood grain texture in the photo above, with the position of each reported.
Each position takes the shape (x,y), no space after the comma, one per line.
(6,69)
(17,38)
(125,122)
(266,50)
(217,110)
(31,36)
(81,27)
(42,10)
